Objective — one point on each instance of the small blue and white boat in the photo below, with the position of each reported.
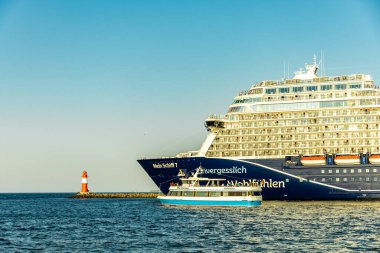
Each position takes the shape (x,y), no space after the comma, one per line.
(199,191)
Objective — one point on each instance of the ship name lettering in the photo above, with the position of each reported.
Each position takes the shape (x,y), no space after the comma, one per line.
(165,165)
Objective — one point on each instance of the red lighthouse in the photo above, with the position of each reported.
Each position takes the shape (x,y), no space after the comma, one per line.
(84,183)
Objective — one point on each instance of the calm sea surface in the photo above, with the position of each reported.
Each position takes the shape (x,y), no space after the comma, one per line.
(54,222)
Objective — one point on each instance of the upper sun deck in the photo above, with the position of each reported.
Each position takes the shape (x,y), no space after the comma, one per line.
(315,80)
(260,87)
(307,78)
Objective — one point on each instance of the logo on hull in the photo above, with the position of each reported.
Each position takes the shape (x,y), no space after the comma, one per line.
(262,183)
(233,170)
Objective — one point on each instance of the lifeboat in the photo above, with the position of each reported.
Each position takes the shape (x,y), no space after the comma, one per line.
(313,160)
(347,159)
(374,159)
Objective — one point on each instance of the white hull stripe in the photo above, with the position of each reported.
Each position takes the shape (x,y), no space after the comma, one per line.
(252,198)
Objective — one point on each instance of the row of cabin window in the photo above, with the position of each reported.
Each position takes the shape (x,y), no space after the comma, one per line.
(350,171)
(312,88)
(345,179)
(212,194)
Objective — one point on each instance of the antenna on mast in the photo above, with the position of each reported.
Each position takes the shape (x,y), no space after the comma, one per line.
(322,64)
(288,70)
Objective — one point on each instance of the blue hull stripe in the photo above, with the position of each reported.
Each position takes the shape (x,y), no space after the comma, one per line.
(291,175)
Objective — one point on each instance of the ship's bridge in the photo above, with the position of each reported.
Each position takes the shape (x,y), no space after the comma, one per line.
(215,122)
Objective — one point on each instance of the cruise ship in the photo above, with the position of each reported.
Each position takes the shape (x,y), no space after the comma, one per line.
(308,137)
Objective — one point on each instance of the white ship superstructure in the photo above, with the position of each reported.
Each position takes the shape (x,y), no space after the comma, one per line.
(306,115)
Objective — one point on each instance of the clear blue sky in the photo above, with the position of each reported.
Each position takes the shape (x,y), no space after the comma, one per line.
(98,84)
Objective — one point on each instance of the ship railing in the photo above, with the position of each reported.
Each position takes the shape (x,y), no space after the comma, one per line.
(321,79)
(244,92)
(217,116)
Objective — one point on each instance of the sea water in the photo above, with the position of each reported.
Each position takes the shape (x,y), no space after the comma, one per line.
(57,223)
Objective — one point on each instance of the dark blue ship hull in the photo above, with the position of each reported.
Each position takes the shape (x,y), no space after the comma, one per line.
(278,182)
